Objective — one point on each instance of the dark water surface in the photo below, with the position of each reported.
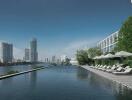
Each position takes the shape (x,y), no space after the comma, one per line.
(61,83)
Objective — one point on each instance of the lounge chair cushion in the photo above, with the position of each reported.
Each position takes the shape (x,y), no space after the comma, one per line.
(119,69)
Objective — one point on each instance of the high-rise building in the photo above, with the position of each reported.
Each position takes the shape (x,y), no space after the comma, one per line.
(33,50)
(53,59)
(58,61)
(27,54)
(108,44)
(7,52)
(46,60)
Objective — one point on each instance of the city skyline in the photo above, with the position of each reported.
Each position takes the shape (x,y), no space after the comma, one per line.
(7,51)
(60,26)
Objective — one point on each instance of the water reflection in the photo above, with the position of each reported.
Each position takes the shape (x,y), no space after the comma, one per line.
(82,73)
(123,93)
(62,83)
(33,79)
(7,81)
(120,92)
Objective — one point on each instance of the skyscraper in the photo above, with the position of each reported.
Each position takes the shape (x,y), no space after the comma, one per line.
(27,54)
(33,50)
(53,59)
(7,52)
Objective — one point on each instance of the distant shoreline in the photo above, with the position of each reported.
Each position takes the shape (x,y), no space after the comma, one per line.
(17,63)
(19,73)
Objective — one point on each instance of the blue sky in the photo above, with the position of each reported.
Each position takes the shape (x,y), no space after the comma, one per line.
(61,26)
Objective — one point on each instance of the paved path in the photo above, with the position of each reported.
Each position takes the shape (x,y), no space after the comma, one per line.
(125,80)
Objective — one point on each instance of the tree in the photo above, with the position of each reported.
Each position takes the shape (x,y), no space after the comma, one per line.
(82,57)
(125,36)
(92,52)
(66,62)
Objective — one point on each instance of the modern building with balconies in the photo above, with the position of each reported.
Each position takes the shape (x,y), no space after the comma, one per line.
(108,44)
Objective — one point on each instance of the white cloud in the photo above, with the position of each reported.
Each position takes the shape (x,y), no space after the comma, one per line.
(71,49)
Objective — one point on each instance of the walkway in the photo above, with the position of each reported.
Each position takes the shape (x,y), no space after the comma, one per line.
(125,80)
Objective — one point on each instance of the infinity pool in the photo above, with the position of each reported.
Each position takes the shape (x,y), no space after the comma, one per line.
(62,83)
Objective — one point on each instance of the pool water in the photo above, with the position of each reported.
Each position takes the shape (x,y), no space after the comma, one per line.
(62,83)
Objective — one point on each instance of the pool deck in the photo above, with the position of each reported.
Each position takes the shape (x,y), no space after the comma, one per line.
(125,80)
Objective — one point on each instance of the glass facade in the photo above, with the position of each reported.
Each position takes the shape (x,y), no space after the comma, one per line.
(33,51)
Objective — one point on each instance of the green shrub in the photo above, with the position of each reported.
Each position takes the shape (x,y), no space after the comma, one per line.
(12,72)
(128,62)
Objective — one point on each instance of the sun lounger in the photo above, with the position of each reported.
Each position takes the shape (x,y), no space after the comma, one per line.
(91,66)
(107,68)
(126,72)
(103,68)
(127,66)
(119,69)
(112,69)
(98,66)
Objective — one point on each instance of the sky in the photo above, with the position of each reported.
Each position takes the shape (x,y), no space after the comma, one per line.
(60,26)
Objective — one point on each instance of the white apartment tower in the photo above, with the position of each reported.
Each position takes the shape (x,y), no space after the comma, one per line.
(108,44)
(53,59)
(6,52)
